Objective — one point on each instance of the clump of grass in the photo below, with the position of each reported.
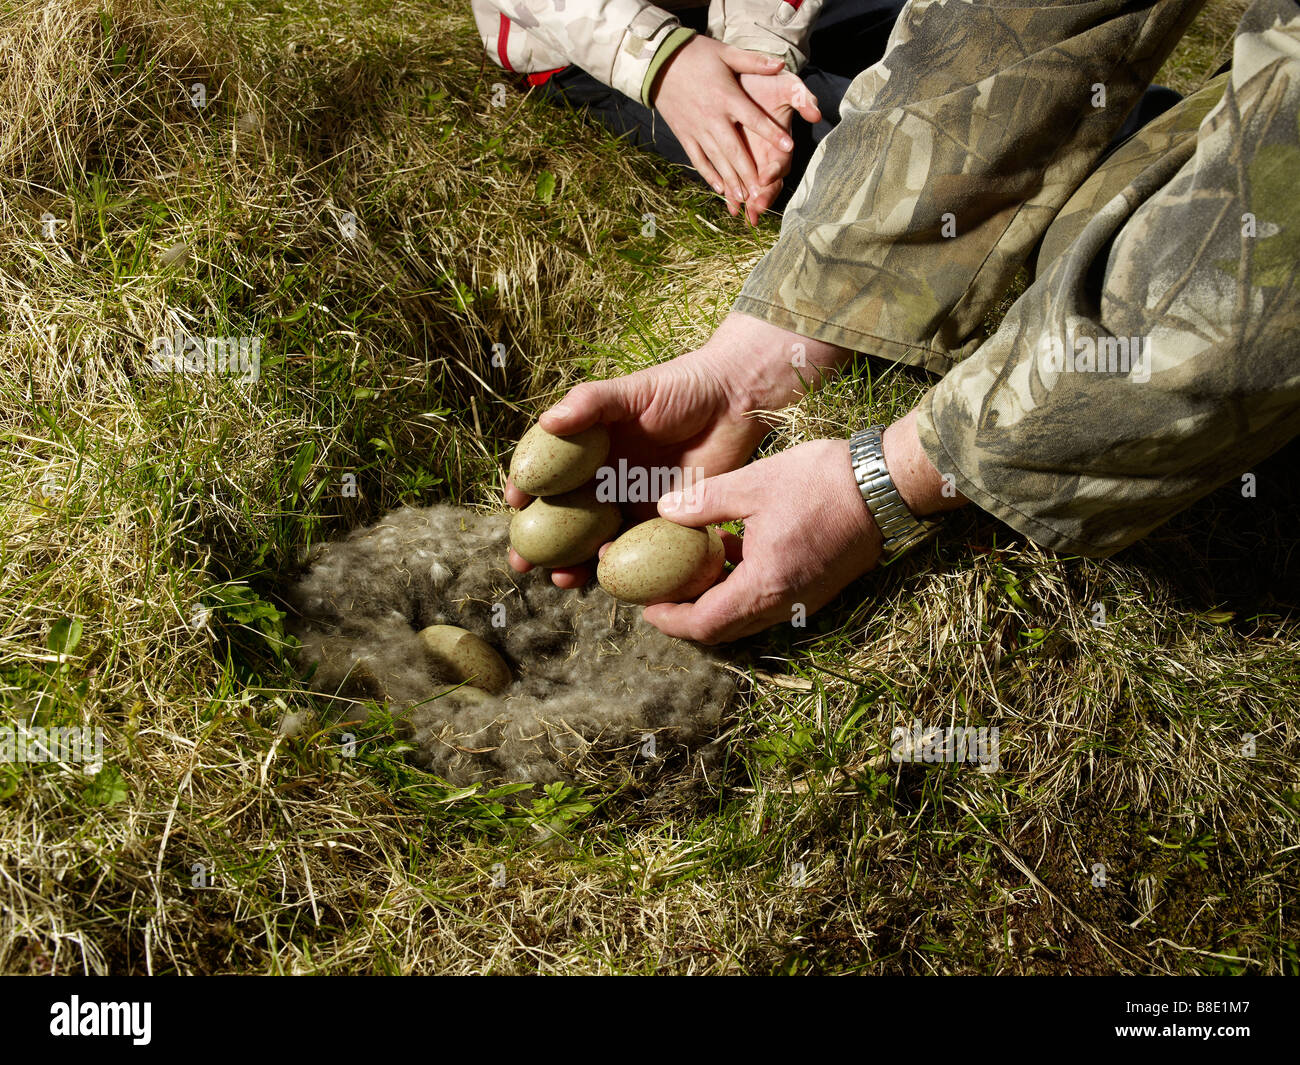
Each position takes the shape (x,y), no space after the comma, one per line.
(351,194)
(1205,48)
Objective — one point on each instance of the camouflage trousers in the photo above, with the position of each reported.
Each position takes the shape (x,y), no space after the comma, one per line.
(1156,352)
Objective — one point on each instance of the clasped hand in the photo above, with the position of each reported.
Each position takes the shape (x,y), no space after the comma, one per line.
(732,111)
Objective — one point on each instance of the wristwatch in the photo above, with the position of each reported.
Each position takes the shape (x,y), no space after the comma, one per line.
(898,526)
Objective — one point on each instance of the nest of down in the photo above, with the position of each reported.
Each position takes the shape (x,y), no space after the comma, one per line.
(590,677)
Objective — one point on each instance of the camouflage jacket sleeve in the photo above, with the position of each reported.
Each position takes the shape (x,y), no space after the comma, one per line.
(622,43)
(1153,358)
(952,156)
(778,27)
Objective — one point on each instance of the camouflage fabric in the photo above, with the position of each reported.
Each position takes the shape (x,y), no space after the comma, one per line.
(615,41)
(1154,355)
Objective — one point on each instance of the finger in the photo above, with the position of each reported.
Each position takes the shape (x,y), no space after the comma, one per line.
(710,501)
(727,611)
(804,102)
(730,141)
(570,577)
(516,498)
(773,169)
(761,124)
(619,399)
(776,165)
(743,61)
(766,197)
(721,159)
(702,165)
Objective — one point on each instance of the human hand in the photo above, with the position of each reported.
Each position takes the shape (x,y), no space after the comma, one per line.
(676,417)
(716,121)
(691,413)
(808,534)
(782,96)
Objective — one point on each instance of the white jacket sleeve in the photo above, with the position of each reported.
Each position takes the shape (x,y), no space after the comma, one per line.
(615,41)
(778,27)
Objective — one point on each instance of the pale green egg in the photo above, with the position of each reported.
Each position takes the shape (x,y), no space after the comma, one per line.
(546,465)
(660,561)
(466,656)
(564,530)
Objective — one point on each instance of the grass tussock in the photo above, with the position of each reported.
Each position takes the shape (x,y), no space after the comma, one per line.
(351,194)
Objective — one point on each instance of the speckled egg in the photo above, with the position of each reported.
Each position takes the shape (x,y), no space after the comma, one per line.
(546,465)
(466,657)
(564,530)
(660,561)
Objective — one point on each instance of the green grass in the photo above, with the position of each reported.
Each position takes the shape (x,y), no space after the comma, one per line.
(163,515)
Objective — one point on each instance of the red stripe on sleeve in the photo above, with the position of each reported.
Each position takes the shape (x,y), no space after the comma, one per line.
(503,42)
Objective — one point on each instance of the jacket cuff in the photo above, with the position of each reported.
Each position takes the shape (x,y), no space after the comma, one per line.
(671,44)
(638,48)
(754,38)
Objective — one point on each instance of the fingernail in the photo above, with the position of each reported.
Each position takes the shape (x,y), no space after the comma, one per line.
(563,410)
(787,144)
(670,501)
(717,187)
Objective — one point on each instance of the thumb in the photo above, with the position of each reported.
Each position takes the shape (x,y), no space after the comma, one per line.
(804,102)
(617,400)
(743,61)
(708,501)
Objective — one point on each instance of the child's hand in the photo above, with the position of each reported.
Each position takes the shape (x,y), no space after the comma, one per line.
(782,96)
(717,122)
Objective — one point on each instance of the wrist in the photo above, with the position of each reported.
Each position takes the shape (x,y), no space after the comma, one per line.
(768,368)
(840,466)
(921,486)
(662,63)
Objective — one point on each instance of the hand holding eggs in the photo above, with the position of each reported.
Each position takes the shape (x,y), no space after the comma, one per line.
(657,561)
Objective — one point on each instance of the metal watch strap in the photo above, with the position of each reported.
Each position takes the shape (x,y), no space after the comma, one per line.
(899,528)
